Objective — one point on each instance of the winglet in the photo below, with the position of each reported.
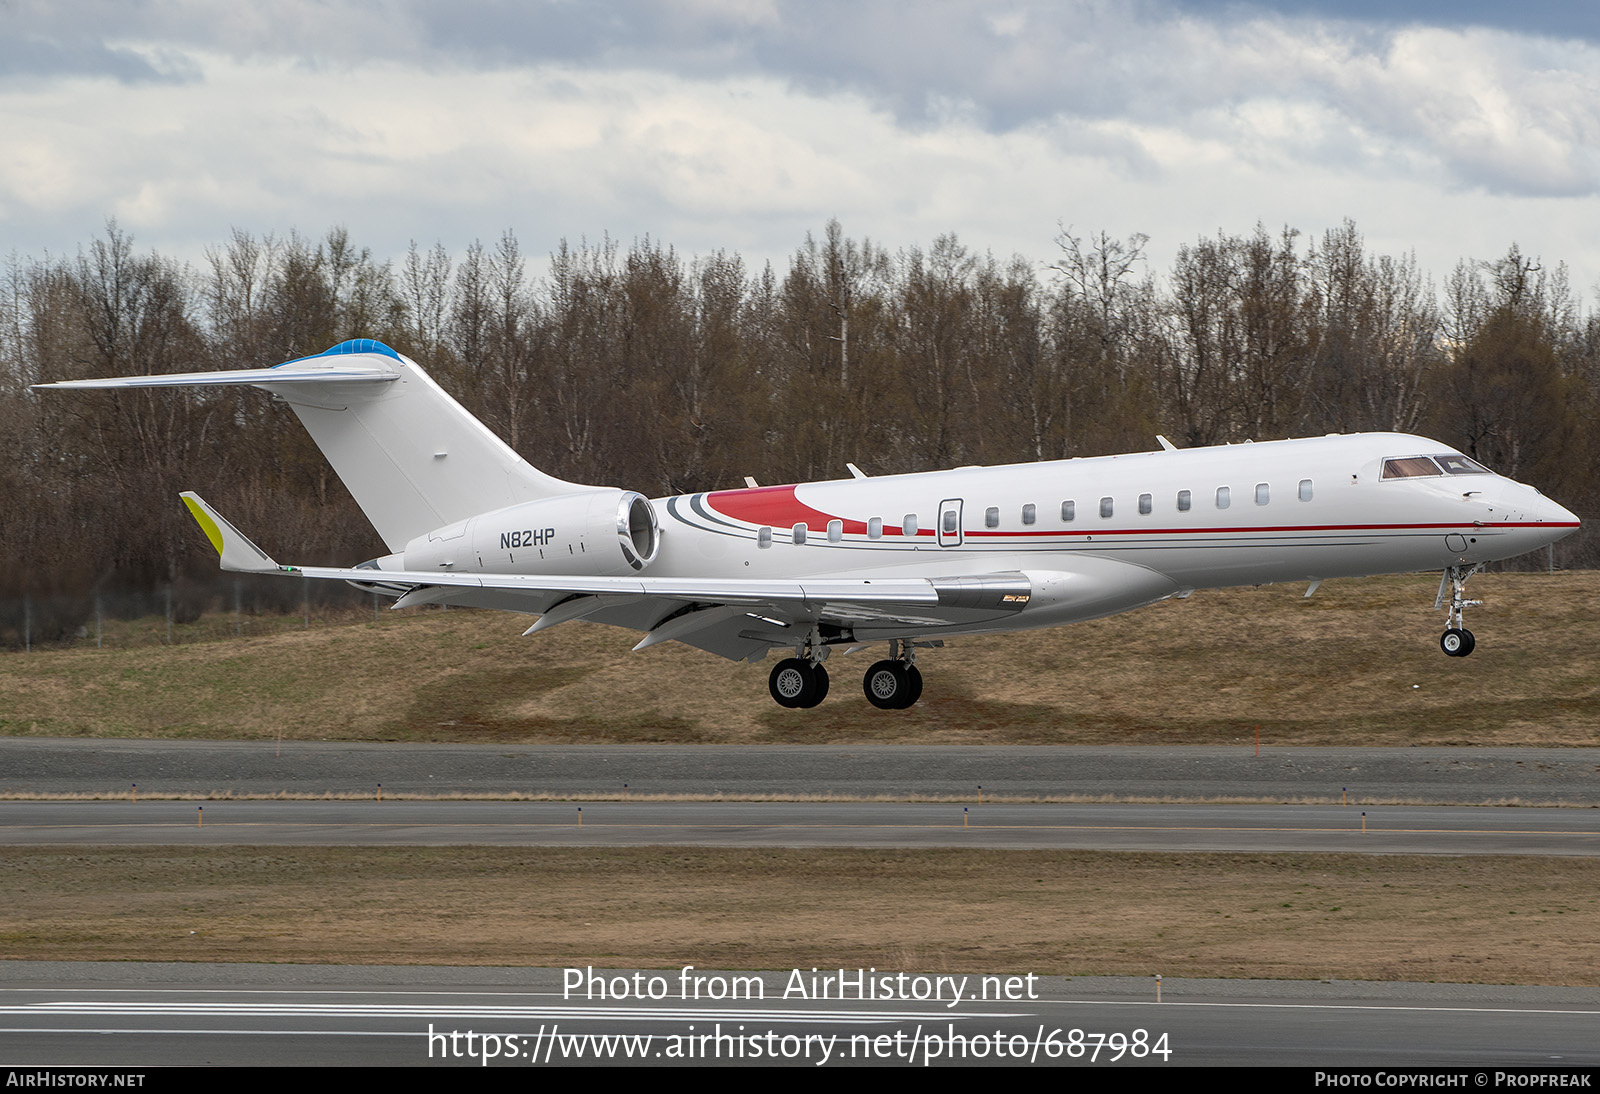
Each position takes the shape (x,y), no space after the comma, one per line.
(237,552)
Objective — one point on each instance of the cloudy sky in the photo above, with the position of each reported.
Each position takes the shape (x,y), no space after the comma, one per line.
(1448,128)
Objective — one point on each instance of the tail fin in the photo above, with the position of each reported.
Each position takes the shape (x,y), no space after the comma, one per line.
(412,456)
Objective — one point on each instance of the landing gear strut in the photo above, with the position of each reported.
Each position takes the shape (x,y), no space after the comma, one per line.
(894,684)
(1456,641)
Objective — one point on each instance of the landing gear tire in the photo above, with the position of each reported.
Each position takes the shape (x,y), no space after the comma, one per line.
(798,683)
(1457,642)
(820,676)
(885,685)
(892,685)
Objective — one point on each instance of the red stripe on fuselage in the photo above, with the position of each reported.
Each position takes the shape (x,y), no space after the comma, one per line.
(1199,530)
(777,507)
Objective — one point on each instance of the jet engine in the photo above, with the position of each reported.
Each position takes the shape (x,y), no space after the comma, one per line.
(597,533)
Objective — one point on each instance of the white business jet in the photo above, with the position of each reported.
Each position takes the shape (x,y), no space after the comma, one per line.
(904,560)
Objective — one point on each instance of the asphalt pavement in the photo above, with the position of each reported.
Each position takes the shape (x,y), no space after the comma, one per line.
(1428,776)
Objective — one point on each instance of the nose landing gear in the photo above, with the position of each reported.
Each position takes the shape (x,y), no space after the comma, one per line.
(1456,641)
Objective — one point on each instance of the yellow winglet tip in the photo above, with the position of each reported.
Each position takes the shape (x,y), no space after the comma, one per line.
(197,510)
(233,548)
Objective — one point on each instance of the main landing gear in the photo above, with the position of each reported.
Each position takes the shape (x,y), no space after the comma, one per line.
(892,684)
(798,682)
(1456,641)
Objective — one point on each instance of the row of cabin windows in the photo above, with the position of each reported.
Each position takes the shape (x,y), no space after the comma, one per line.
(800,532)
(1147,504)
(1030,514)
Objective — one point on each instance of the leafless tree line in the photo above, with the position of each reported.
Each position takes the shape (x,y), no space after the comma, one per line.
(640,367)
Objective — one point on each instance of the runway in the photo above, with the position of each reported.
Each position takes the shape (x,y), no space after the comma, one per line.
(147,1015)
(1428,776)
(1107,826)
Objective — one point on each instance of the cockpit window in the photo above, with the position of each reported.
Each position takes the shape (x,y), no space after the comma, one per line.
(1410,467)
(1460,465)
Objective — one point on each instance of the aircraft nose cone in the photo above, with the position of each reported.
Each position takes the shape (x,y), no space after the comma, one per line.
(1561,520)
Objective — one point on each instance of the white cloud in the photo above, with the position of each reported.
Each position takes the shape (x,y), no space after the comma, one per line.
(743,125)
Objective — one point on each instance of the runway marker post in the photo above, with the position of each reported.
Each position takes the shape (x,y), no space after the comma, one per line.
(963,816)
(1158,987)
(200,816)
(980,793)
(380,791)
(580,816)
(1363,822)
(1342,791)
(136,792)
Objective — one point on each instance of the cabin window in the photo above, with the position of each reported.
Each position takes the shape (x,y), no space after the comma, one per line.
(1105,507)
(1183,501)
(1146,503)
(908,524)
(949,522)
(799,532)
(991,517)
(835,531)
(875,528)
(1068,511)
(1223,497)
(1305,489)
(1409,467)
(764,536)
(1029,514)
(1263,493)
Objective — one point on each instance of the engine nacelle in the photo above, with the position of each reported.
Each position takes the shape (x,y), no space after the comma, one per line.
(598,533)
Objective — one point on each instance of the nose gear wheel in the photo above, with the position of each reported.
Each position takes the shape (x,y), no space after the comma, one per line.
(1456,641)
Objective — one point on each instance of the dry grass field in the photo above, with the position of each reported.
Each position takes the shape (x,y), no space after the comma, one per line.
(1358,663)
(1471,919)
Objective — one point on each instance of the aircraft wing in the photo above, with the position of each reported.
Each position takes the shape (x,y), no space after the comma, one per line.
(737,618)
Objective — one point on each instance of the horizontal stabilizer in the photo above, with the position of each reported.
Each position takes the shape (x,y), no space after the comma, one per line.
(238,553)
(292,373)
